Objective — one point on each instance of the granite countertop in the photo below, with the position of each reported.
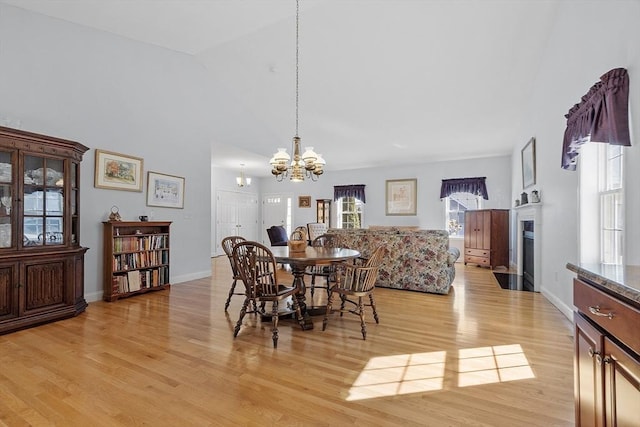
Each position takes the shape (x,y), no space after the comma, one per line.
(623,280)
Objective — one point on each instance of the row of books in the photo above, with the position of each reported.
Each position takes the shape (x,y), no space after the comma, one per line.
(140,243)
(141,279)
(137,260)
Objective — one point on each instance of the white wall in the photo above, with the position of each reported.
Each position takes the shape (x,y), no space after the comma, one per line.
(589,39)
(430,213)
(114,94)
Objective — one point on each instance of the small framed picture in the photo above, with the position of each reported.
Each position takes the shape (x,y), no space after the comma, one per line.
(165,190)
(116,171)
(401,196)
(304,201)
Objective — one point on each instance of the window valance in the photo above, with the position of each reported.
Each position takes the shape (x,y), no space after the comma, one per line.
(475,186)
(601,116)
(356,191)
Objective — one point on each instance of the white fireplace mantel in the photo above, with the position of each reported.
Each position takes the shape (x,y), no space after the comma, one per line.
(530,212)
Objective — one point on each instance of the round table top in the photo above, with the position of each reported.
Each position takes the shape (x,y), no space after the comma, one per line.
(313,255)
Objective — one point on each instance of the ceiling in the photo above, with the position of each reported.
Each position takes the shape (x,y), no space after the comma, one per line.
(382,82)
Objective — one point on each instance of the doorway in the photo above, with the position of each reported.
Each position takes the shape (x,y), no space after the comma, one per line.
(276,210)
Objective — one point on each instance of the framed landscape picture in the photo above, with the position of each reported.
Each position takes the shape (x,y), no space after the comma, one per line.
(529,164)
(401,196)
(118,171)
(165,190)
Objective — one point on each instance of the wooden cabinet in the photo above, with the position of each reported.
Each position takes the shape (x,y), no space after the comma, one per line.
(323,211)
(41,260)
(136,258)
(486,237)
(607,358)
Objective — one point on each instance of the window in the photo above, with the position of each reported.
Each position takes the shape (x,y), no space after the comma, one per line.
(456,205)
(601,203)
(611,203)
(349,211)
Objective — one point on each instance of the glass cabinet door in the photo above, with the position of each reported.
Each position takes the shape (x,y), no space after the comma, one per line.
(43,201)
(6,198)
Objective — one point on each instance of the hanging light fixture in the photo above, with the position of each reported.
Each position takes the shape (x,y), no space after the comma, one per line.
(309,164)
(241,180)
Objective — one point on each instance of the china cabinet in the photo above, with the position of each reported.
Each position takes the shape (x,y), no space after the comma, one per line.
(323,211)
(41,260)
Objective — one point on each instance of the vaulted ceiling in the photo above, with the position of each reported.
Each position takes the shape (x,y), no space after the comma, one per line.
(382,82)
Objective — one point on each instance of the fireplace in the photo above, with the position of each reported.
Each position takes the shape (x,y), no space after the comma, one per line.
(528,236)
(528,256)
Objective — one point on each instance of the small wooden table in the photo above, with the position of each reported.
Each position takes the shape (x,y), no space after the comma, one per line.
(299,261)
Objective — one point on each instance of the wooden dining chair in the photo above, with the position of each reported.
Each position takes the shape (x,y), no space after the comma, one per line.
(257,268)
(227,246)
(326,271)
(356,281)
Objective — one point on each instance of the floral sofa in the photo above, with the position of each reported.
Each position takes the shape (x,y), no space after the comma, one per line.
(417,260)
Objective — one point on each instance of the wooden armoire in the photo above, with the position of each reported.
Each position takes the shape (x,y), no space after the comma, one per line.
(486,237)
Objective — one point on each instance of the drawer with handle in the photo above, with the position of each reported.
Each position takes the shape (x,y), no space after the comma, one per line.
(619,319)
(477,252)
(477,260)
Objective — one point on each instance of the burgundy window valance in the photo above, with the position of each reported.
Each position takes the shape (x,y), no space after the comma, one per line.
(356,191)
(475,186)
(601,116)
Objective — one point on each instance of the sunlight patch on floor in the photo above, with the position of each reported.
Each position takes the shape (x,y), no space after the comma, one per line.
(485,365)
(425,372)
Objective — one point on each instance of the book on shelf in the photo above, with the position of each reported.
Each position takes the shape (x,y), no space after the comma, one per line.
(134,281)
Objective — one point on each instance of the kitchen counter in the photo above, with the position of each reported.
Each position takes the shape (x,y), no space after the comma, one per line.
(623,281)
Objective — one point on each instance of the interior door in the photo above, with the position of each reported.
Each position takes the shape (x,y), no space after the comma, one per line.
(236,215)
(276,210)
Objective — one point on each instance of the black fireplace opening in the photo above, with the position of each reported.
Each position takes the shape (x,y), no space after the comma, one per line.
(528,261)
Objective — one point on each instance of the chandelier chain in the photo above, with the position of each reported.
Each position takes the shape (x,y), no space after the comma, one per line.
(300,164)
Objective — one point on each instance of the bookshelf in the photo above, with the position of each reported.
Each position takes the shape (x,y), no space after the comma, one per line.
(136,258)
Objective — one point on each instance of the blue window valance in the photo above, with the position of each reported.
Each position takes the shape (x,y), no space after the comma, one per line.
(356,191)
(601,116)
(475,186)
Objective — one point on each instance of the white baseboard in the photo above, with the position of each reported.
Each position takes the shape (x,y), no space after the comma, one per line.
(190,276)
(97,296)
(564,309)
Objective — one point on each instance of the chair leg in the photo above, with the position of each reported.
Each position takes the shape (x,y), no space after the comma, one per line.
(231,292)
(343,299)
(243,311)
(274,322)
(326,314)
(363,326)
(313,285)
(373,306)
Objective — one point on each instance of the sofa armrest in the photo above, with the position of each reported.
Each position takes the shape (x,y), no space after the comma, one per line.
(453,255)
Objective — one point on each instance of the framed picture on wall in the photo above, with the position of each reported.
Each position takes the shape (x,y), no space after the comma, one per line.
(165,190)
(529,164)
(116,171)
(401,196)
(304,201)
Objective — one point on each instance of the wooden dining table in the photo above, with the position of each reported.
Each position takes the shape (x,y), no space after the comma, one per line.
(300,260)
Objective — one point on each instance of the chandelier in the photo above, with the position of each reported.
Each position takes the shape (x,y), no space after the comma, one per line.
(309,164)
(241,180)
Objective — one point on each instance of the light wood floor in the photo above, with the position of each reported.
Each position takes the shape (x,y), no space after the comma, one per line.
(480,356)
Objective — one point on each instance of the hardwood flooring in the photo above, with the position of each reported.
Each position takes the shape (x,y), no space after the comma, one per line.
(480,356)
